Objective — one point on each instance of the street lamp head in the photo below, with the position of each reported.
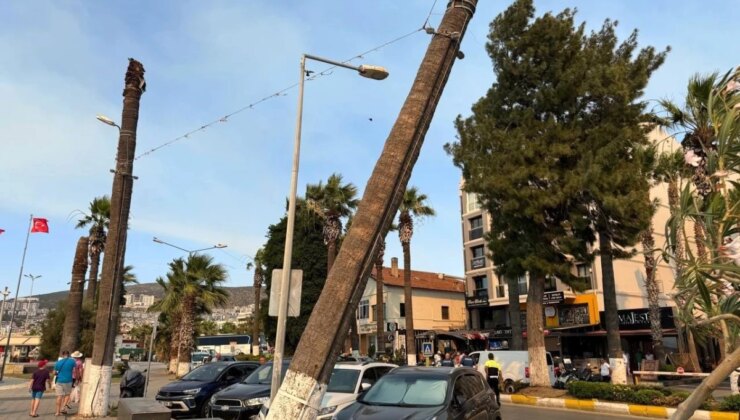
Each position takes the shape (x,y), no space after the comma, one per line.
(106,120)
(157,240)
(373,72)
(220,246)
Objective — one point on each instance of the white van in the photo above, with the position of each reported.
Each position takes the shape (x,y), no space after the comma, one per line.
(514,364)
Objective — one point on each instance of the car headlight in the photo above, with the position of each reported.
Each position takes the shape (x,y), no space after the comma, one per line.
(256,401)
(327,410)
(191,391)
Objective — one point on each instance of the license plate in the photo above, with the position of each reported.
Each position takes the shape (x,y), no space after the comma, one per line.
(224,408)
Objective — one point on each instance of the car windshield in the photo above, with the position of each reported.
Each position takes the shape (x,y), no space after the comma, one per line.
(405,390)
(343,380)
(205,373)
(263,375)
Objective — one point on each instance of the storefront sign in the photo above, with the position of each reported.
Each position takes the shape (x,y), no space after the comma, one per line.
(553,298)
(367,328)
(478,300)
(638,319)
(574,315)
(501,332)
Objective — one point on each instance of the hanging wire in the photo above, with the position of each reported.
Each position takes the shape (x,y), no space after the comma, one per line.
(281,92)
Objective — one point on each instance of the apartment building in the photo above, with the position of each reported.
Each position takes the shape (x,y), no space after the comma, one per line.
(438,305)
(574,321)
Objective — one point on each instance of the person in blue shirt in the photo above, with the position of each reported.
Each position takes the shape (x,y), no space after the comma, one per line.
(63,370)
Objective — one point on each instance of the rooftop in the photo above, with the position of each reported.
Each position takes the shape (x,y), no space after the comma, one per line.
(422,280)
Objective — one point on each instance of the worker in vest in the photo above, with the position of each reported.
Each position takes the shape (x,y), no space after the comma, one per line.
(493,370)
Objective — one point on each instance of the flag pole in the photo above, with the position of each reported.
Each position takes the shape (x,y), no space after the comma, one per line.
(15,301)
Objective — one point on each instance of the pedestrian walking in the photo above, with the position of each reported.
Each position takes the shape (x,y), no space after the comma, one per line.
(63,371)
(77,375)
(40,382)
(493,368)
(606,371)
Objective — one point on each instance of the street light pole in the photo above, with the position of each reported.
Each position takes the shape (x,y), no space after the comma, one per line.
(151,345)
(28,303)
(190,252)
(372,72)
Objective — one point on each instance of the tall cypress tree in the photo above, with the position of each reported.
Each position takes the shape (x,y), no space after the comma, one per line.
(614,186)
(519,151)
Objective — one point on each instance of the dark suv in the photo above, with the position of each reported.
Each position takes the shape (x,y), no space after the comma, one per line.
(190,394)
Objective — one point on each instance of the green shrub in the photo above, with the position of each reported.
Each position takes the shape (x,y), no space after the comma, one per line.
(730,403)
(590,390)
(647,397)
(675,398)
(667,368)
(624,393)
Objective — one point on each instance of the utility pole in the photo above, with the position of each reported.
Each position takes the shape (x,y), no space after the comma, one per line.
(95,397)
(28,302)
(305,382)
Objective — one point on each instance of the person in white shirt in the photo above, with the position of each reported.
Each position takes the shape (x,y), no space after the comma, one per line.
(626,358)
(606,371)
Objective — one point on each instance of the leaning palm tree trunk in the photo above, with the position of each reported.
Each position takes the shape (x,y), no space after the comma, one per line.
(97,381)
(71,332)
(301,392)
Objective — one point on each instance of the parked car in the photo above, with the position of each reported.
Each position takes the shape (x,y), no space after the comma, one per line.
(191,394)
(244,399)
(413,392)
(514,364)
(197,358)
(348,381)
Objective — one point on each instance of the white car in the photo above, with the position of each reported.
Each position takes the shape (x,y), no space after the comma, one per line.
(348,380)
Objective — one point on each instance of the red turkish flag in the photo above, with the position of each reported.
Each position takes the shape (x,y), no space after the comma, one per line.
(40,225)
(1,231)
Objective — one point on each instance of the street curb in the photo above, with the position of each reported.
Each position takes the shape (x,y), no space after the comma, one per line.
(614,408)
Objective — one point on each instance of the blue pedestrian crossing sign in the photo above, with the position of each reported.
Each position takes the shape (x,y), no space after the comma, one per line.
(426,348)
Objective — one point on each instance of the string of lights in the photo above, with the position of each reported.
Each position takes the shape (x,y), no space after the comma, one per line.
(282,92)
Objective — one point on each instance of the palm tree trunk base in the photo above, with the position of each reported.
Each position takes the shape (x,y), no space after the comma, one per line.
(256,350)
(172,368)
(411,359)
(182,369)
(296,402)
(94,396)
(619,370)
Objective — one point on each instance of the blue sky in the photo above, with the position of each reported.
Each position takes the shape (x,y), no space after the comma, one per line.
(63,63)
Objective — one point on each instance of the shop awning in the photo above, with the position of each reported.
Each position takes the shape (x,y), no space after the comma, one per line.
(572,327)
(671,331)
(33,340)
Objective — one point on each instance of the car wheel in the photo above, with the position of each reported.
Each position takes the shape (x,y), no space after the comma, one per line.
(205,411)
(509,387)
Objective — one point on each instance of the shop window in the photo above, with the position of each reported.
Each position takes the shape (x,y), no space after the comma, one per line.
(445,312)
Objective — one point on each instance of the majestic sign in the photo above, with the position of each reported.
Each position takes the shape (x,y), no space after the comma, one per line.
(552,298)
(638,319)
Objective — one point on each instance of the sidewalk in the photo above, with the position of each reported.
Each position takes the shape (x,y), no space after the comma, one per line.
(10,382)
(613,408)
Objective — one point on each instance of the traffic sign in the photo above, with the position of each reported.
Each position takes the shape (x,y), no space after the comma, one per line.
(426,348)
(390,337)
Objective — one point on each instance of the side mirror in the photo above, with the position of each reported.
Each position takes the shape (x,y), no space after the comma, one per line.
(365,386)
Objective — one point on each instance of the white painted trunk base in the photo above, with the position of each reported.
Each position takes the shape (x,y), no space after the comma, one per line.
(95,391)
(182,369)
(172,368)
(411,359)
(256,350)
(299,397)
(619,370)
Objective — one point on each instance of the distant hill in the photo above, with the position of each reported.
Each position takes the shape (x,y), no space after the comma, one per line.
(238,296)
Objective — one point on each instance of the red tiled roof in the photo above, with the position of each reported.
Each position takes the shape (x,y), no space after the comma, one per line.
(423,280)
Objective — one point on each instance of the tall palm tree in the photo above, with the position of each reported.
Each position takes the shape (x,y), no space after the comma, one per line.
(259,278)
(323,336)
(171,309)
(72,327)
(332,202)
(97,221)
(94,400)
(200,285)
(413,206)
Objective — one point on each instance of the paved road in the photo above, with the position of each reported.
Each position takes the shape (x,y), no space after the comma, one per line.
(515,412)
(15,404)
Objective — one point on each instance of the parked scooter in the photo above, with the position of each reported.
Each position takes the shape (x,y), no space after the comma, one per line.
(585,374)
(132,384)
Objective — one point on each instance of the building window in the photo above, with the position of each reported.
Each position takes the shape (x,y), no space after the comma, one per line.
(481,287)
(372,312)
(550,284)
(402,309)
(363,311)
(583,271)
(479,257)
(445,312)
(476,228)
(523,284)
(471,201)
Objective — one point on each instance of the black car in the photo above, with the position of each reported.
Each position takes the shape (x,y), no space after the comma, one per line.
(190,394)
(244,399)
(411,392)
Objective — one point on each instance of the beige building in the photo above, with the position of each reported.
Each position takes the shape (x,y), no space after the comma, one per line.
(438,304)
(574,320)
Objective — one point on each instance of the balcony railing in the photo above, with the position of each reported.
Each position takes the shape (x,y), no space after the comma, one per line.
(476,233)
(478,262)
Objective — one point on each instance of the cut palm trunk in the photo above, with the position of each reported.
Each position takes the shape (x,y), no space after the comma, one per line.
(71,332)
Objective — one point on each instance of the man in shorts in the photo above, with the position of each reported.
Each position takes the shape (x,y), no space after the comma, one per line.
(63,370)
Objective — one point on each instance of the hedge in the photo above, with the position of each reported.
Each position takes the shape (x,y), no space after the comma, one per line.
(635,394)
(730,403)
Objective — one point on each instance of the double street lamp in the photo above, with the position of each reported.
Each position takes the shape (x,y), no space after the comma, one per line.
(28,302)
(190,252)
(371,72)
